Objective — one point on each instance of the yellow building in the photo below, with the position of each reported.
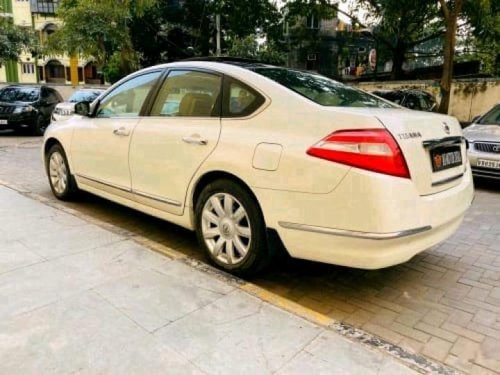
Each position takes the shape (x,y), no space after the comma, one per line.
(41,16)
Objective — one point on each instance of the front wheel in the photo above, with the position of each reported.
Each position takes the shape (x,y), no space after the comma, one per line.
(61,181)
(230,227)
(39,126)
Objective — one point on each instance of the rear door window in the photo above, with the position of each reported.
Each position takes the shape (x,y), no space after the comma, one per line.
(240,100)
(189,93)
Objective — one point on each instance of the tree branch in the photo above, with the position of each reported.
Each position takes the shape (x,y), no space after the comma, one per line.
(446,10)
(427,38)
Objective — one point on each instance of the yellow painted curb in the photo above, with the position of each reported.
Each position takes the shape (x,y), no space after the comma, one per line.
(286,304)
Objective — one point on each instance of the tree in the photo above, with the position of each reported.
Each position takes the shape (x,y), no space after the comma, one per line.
(174,30)
(98,29)
(451,10)
(248,47)
(412,23)
(14,40)
(399,26)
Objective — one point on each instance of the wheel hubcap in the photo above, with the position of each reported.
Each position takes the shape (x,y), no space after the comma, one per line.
(58,172)
(226,228)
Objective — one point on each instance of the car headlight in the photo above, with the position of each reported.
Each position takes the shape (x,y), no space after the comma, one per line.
(23,109)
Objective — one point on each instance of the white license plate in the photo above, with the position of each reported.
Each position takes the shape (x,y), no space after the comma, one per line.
(3,122)
(488,163)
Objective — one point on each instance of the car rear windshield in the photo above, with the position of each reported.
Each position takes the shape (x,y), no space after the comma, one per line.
(84,96)
(322,90)
(19,94)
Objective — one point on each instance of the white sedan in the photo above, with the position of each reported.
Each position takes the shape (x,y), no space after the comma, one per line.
(244,153)
(65,110)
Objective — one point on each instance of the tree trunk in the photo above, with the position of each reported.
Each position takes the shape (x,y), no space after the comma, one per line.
(451,17)
(398,58)
(448,51)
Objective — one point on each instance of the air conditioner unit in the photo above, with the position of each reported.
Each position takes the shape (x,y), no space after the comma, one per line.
(311,57)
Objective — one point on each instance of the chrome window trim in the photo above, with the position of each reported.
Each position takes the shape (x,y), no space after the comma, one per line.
(354,234)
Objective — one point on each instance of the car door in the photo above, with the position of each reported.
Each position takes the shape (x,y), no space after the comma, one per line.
(169,145)
(100,143)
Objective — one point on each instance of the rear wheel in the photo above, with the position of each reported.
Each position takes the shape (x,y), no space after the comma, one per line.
(230,227)
(61,181)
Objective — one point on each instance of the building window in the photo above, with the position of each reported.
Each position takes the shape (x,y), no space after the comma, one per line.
(312,22)
(40,73)
(68,73)
(28,68)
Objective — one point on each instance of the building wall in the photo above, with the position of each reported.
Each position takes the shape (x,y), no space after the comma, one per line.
(27,69)
(469,97)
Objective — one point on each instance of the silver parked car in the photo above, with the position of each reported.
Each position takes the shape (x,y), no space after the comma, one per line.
(484,144)
(65,110)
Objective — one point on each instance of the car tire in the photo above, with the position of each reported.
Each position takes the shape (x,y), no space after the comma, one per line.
(39,126)
(62,183)
(231,229)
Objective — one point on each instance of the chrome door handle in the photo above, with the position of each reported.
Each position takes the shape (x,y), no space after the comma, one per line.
(195,139)
(121,132)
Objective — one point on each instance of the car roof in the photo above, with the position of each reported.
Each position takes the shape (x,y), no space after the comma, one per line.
(25,86)
(238,61)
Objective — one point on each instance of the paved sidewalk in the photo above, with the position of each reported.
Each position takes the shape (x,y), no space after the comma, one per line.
(77,298)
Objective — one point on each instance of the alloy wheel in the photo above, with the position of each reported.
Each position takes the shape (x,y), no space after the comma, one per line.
(58,172)
(226,228)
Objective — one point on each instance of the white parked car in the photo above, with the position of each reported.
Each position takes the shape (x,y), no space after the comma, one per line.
(241,152)
(65,110)
(484,140)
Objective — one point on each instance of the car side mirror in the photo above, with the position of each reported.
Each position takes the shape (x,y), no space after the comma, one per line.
(82,108)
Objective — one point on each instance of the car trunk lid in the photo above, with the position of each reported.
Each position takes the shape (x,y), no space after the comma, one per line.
(432,144)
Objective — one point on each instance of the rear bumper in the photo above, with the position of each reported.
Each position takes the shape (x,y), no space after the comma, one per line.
(364,253)
(369,221)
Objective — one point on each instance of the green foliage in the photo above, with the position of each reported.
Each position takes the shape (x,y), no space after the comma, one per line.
(248,47)
(114,69)
(14,40)
(92,28)
(482,35)
(173,31)
(99,29)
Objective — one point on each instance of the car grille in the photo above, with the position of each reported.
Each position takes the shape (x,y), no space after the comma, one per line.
(6,109)
(493,148)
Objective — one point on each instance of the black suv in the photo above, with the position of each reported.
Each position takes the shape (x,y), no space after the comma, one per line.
(414,99)
(27,108)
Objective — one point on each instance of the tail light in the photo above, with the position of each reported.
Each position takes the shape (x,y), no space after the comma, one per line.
(371,149)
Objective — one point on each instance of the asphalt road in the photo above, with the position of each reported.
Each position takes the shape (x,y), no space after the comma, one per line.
(444,303)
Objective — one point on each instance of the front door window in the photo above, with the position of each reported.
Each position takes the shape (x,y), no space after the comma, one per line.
(127,99)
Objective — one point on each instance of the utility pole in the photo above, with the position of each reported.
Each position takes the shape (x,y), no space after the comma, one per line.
(217,24)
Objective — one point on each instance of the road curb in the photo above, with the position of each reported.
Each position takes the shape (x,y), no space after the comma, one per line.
(415,361)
